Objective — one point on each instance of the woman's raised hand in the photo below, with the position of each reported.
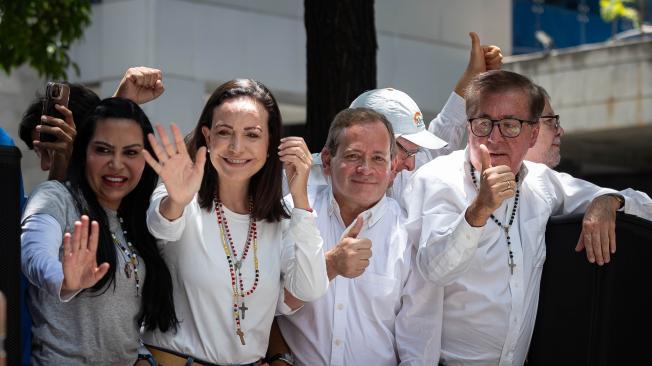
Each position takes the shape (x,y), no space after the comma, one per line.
(80,269)
(297,160)
(182,177)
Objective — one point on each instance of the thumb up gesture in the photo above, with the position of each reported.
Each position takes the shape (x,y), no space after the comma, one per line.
(497,183)
(481,58)
(350,257)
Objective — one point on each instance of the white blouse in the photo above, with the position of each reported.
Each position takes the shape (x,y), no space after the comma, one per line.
(290,256)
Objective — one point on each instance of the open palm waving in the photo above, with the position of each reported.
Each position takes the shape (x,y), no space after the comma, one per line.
(182,177)
(80,269)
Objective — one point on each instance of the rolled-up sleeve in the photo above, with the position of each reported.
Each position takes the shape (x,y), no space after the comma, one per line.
(450,125)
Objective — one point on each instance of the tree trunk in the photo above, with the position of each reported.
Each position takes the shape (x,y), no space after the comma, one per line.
(341,54)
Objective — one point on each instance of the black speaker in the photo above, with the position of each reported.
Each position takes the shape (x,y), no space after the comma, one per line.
(590,314)
(10,246)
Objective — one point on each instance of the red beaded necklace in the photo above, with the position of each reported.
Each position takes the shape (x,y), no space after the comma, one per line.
(235,264)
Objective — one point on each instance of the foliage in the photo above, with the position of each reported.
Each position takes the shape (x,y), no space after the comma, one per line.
(612,9)
(40,32)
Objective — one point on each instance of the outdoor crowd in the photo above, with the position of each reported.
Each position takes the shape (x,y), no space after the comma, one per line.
(233,245)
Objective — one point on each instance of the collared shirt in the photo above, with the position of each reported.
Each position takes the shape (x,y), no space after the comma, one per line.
(377,318)
(489,314)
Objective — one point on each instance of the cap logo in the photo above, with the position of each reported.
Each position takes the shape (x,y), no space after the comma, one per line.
(418,120)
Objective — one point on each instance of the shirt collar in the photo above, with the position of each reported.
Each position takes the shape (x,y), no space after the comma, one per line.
(371,216)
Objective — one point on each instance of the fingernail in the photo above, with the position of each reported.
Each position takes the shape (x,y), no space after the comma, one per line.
(38,127)
(44,118)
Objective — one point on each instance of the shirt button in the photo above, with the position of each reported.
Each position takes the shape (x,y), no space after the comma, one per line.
(340,306)
(468,237)
(338,342)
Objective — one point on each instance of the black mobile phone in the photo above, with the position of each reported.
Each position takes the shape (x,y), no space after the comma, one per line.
(55,93)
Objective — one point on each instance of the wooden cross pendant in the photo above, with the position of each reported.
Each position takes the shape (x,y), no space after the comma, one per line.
(243,308)
(240,334)
(127,270)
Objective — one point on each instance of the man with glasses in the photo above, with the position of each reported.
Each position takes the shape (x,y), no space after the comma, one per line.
(546,150)
(479,216)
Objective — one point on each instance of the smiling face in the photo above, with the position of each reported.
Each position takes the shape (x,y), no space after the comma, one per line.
(504,150)
(361,169)
(114,160)
(238,139)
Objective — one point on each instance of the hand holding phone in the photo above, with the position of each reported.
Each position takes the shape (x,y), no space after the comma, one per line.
(55,93)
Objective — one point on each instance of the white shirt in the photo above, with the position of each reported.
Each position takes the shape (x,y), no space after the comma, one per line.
(377,318)
(488,314)
(290,256)
(450,125)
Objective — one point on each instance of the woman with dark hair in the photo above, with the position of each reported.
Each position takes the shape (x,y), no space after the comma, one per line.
(85,313)
(233,248)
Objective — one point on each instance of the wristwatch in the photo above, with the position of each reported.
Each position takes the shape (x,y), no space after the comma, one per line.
(285,357)
(619,198)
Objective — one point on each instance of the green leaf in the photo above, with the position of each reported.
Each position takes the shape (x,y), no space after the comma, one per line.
(40,33)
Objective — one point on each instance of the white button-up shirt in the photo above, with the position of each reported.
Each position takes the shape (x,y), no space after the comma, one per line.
(378,318)
(488,313)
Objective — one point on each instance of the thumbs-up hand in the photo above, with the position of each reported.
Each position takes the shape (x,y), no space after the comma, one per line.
(482,58)
(350,257)
(496,185)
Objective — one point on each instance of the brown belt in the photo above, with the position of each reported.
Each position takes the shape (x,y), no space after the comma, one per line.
(164,358)
(169,358)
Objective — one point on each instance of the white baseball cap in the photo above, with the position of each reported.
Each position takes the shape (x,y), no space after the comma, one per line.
(403,113)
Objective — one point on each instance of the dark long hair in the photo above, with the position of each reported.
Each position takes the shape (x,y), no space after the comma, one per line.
(157,306)
(266,185)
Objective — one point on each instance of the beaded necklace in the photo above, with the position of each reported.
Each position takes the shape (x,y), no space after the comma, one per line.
(235,264)
(129,254)
(505,228)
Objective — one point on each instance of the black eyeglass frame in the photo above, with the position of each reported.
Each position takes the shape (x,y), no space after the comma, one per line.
(498,122)
(554,117)
(406,151)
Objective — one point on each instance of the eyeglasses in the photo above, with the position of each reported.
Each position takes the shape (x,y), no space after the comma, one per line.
(509,127)
(552,121)
(406,151)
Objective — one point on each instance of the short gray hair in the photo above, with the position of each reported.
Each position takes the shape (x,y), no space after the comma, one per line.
(500,81)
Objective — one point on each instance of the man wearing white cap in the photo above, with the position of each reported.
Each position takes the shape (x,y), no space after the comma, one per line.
(412,138)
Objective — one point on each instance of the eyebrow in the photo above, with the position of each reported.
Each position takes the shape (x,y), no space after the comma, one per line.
(485,115)
(102,143)
(360,151)
(222,124)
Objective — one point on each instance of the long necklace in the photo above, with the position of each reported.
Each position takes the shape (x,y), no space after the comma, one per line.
(235,264)
(129,253)
(505,228)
